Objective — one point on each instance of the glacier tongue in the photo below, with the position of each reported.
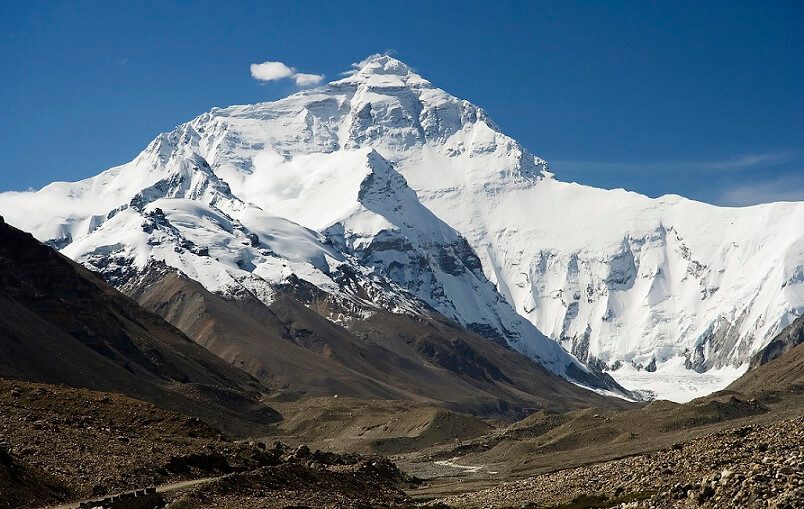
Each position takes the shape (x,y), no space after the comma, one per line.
(426,200)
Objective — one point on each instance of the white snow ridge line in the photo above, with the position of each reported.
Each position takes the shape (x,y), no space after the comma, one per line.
(419,196)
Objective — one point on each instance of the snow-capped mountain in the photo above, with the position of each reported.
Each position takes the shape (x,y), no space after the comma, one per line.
(426,204)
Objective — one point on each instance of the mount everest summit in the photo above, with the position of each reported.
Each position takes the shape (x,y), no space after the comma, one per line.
(386,194)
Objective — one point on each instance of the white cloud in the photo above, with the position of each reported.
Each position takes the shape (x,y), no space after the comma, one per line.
(271,71)
(274,71)
(787,188)
(742,162)
(307,80)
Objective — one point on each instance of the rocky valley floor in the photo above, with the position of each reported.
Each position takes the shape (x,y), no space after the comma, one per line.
(62,445)
(748,466)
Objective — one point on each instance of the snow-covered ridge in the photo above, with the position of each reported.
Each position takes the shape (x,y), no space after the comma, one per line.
(425,195)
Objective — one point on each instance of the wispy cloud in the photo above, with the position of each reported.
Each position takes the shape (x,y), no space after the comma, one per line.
(787,188)
(274,71)
(751,160)
(740,162)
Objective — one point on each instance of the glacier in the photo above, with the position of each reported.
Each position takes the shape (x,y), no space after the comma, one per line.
(432,207)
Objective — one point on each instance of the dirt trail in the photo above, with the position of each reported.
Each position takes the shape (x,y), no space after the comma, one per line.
(466,468)
(163,488)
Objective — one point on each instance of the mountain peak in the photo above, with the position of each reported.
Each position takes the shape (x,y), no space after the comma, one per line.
(394,167)
(382,64)
(381,69)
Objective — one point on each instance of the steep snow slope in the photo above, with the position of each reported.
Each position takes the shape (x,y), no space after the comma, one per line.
(376,247)
(383,171)
(168,206)
(366,209)
(616,277)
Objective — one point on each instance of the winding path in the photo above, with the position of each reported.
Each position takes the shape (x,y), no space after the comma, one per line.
(162,488)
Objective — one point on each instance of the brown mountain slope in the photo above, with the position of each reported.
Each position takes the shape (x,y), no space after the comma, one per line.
(544,441)
(59,323)
(251,337)
(387,356)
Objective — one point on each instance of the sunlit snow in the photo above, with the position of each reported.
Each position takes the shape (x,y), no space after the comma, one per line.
(675,383)
(408,186)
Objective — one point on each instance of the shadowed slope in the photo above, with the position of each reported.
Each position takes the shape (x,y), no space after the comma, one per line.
(384,356)
(59,323)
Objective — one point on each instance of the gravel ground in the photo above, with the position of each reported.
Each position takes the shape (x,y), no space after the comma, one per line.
(752,466)
(91,443)
(97,443)
(87,444)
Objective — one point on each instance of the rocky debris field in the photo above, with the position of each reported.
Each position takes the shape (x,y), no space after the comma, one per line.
(21,485)
(753,466)
(88,444)
(96,443)
(59,444)
(307,479)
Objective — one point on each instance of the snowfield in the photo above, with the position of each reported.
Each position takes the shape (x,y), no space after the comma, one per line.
(675,383)
(430,204)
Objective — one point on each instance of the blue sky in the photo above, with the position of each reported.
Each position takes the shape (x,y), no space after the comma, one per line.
(702,99)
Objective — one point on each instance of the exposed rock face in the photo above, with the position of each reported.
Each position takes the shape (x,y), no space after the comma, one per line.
(790,337)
